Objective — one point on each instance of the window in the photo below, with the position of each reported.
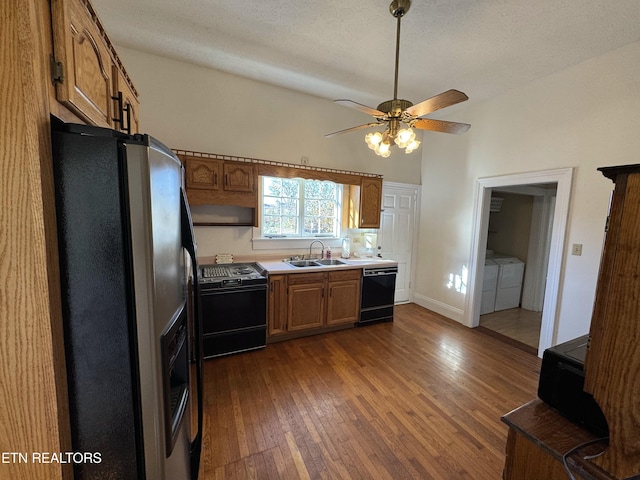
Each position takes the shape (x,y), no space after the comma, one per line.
(295,207)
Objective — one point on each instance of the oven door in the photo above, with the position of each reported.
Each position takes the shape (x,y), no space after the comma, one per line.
(233,319)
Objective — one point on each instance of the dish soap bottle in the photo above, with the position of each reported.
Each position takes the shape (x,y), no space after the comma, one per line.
(328,252)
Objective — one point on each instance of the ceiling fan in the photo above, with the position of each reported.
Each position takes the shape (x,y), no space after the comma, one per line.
(394,113)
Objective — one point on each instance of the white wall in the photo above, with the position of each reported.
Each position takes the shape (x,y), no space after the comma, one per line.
(584,117)
(190,107)
(195,108)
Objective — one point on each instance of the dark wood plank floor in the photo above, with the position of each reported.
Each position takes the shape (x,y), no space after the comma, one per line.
(419,398)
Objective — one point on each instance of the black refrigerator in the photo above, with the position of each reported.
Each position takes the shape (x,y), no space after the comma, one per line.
(132,330)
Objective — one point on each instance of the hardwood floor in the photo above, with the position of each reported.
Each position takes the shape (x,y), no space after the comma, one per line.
(419,398)
(516,323)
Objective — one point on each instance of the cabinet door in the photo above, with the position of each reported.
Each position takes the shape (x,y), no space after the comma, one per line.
(370,202)
(126,103)
(343,301)
(86,84)
(277,310)
(239,177)
(202,174)
(306,301)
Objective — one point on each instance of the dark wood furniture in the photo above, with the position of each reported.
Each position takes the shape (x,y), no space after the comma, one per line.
(613,359)
(538,437)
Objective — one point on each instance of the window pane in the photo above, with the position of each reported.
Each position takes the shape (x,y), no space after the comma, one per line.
(310,225)
(271,225)
(311,207)
(271,206)
(289,225)
(290,188)
(326,208)
(289,207)
(325,225)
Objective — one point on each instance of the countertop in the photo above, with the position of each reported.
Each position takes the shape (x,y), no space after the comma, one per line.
(275,266)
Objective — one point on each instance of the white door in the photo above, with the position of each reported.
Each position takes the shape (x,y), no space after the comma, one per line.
(397,228)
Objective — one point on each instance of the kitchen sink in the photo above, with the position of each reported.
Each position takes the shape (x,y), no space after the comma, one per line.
(330,261)
(304,263)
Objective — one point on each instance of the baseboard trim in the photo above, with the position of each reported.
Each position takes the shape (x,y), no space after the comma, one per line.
(441,308)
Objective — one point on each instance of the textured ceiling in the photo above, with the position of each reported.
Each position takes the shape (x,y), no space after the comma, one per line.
(346,49)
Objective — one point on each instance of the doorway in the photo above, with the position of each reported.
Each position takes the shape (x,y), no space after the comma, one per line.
(547,260)
(520,220)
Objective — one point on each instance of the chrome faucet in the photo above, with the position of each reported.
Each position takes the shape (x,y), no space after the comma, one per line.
(321,252)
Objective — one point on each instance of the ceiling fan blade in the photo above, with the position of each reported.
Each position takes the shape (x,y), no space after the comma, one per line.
(441,126)
(446,99)
(359,127)
(358,106)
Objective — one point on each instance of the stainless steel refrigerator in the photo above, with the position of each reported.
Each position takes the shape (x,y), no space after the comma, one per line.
(132,347)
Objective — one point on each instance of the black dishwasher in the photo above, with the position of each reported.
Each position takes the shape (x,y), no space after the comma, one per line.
(378,291)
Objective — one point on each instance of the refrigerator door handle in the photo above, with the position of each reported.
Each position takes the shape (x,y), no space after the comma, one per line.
(189,244)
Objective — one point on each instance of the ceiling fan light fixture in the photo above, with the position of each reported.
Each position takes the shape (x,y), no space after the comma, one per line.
(383,149)
(404,137)
(412,146)
(373,139)
(397,111)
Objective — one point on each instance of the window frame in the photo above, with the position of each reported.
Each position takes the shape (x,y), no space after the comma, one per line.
(302,199)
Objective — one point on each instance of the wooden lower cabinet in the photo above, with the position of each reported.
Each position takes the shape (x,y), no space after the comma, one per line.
(343,302)
(306,301)
(301,302)
(277,305)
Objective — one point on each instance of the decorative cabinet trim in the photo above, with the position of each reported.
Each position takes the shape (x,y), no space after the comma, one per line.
(236,184)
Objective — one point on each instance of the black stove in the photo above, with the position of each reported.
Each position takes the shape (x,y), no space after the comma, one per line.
(232,275)
(233,299)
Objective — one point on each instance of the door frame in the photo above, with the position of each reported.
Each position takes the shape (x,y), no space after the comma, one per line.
(484,187)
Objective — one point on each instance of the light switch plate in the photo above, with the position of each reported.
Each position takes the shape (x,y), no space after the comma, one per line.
(576,249)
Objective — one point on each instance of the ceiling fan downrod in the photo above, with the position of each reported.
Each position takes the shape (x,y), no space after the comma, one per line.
(398,9)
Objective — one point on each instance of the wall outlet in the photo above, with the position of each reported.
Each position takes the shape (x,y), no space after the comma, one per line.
(576,249)
(304,160)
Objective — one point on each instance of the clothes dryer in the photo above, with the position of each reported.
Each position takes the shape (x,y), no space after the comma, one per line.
(509,287)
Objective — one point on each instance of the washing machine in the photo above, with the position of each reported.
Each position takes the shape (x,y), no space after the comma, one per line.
(489,286)
(509,286)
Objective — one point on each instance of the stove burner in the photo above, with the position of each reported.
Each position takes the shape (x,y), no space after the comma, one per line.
(243,271)
(213,271)
(227,275)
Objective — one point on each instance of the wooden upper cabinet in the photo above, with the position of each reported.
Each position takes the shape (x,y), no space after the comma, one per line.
(203,174)
(218,182)
(126,103)
(370,202)
(239,177)
(85,82)
(362,204)
(87,73)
